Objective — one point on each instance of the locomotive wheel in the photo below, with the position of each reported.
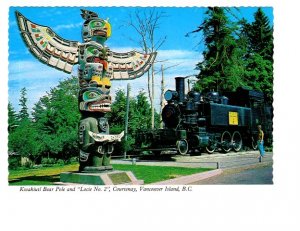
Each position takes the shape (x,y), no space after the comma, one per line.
(182,147)
(253,143)
(226,141)
(237,141)
(211,147)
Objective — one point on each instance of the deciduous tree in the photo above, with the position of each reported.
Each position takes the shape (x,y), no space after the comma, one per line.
(146,23)
(56,116)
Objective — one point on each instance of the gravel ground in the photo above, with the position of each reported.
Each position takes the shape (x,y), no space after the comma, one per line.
(257,175)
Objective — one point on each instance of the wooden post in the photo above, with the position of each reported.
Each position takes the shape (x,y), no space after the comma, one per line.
(162,95)
(126,117)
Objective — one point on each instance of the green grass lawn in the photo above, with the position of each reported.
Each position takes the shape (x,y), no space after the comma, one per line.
(151,174)
(49,175)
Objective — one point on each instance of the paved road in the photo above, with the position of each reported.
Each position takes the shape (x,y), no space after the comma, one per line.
(256,175)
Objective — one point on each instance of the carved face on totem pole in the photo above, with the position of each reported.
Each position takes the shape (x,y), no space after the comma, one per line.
(94,72)
(94,78)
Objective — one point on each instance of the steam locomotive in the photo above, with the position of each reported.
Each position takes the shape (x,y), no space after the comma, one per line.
(208,122)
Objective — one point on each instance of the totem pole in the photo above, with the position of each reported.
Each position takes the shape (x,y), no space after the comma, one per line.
(97,66)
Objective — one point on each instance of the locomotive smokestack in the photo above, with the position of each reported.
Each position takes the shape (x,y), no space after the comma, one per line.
(180,88)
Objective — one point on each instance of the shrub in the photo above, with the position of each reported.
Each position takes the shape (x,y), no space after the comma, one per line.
(48,161)
(73,159)
(60,162)
(28,164)
(13,163)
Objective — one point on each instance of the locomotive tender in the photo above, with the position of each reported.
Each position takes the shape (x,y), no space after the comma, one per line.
(197,121)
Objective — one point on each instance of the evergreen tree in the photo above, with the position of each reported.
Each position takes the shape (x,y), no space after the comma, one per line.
(12,118)
(222,67)
(23,113)
(259,55)
(22,132)
(237,53)
(261,36)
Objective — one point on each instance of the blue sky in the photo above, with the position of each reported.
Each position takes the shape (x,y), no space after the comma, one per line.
(26,71)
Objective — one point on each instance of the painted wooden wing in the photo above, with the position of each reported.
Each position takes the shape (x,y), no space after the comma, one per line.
(129,65)
(47,46)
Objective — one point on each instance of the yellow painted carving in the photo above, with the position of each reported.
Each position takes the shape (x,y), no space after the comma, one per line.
(108,27)
(101,81)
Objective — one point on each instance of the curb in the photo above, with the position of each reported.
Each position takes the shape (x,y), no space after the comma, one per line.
(250,166)
(184,180)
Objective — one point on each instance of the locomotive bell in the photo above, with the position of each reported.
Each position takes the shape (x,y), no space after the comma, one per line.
(213,96)
(195,96)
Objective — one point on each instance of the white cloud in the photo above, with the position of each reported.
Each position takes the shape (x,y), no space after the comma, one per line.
(168,54)
(123,49)
(32,69)
(35,76)
(67,26)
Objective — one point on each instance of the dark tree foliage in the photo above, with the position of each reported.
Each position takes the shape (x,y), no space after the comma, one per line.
(12,118)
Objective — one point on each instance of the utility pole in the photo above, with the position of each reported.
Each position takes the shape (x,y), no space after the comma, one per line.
(126,118)
(152,96)
(162,95)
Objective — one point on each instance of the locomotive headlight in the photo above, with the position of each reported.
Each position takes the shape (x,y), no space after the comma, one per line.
(170,95)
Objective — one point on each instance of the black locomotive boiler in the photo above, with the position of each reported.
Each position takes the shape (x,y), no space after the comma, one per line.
(196,121)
